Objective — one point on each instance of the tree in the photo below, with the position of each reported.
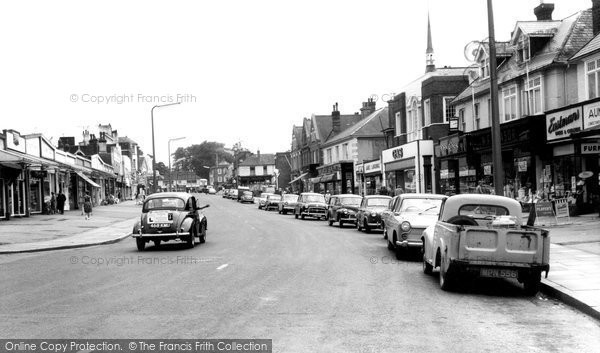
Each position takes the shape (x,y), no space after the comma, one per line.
(162,169)
(196,157)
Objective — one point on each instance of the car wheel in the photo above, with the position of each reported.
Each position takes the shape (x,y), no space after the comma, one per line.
(427,268)
(358,226)
(390,246)
(340,223)
(157,243)
(202,233)
(366,225)
(141,244)
(330,221)
(284,211)
(302,216)
(295,215)
(384,231)
(531,285)
(190,240)
(400,252)
(445,278)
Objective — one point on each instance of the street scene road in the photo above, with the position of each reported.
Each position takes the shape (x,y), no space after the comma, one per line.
(307,286)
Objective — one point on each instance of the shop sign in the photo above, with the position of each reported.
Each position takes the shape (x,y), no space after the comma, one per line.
(563,123)
(47,150)
(398,153)
(590,148)
(467,172)
(544,209)
(444,174)
(14,141)
(359,169)
(451,145)
(373,167)
(487,169)
(592,115)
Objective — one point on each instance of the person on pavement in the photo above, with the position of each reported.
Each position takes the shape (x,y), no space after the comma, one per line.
(87,205)
(60,202)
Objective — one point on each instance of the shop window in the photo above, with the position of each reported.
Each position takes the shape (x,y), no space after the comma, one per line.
(532,96)
(509,98)
(592,68)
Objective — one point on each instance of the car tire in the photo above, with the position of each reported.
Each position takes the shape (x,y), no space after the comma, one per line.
(295,215)
(385,236)
(531,285)
(284,212)
(330,221)
(302,216)
(358,226)
(202,233)
(427,268)
(191,241)
(141,244)
(366,226)
(340,223)
(400,252)
(156,243)
(390,246)
(445,277)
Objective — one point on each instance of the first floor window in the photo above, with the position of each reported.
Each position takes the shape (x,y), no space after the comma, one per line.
(532,96)
(509,97)
(449,109)
(591,70)
(461,120)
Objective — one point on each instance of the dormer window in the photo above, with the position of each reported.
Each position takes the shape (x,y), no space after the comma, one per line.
(484,66)
(523,50)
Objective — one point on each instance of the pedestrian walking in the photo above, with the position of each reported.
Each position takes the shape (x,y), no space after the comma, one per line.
(87,205)
(52,203)
(60,202)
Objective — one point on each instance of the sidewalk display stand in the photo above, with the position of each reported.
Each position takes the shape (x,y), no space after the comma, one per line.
(562,211)
(544,213)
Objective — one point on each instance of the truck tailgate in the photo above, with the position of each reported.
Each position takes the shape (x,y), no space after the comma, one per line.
(510,246)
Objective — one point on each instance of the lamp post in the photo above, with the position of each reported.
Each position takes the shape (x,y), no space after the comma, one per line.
(169,146)
(153,149)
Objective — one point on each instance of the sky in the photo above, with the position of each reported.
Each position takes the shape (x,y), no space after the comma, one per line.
(244,71)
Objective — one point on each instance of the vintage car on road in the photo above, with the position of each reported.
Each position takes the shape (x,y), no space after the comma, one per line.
(262,199)
(480,235)
(368,216)
(170,216)
(387,213)
(310,204)
(272,202)
(412,213)
(288,203)
(246,196)
(342,208)
(226,193)
(233,194)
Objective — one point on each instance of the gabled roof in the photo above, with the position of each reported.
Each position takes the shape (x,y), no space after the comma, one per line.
(262,159)
(370,126)
(126,139)
(534,29)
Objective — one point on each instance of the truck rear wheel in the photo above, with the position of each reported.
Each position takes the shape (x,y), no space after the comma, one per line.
(531,285)
(446,279)
(141,244)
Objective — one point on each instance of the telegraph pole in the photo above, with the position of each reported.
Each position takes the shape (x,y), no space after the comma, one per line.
(496,139)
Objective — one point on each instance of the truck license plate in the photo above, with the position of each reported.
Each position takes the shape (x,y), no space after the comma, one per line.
(160,225)
(498,273)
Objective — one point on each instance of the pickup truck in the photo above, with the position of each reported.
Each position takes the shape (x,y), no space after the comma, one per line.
(482,235)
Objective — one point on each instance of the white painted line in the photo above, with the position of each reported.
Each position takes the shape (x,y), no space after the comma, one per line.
(222,266)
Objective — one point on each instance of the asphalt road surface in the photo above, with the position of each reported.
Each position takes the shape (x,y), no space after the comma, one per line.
(307,286)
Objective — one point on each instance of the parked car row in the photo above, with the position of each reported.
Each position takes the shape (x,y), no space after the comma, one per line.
(465,236)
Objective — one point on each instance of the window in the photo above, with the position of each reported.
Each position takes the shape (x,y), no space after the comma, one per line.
(476,116)
(449,109)
(337,153)
(315,157)
(329,160)
(345,151)
(461,120)
(219,171)
(220,179)
(532,96)
(398,124)
(489,103)
(484,66)
(592,68)
(427,112)
(252,171)
(264,170)
(509,97)
(414,127)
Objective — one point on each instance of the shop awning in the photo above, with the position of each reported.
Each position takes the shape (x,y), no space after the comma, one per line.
(315,180)
(84,177)
(298,178)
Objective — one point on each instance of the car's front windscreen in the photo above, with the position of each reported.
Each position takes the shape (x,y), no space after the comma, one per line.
(314,198)
(247,193)
(290,198)
(378,202)
(423,206)
(350,201)
(164,203)
(275,198)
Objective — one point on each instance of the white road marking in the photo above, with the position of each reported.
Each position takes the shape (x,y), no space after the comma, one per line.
(222,266)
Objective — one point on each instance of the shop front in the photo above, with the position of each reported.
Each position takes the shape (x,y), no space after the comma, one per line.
(574,173)
(370,177)
(408,168)
(335,178)
(457,165)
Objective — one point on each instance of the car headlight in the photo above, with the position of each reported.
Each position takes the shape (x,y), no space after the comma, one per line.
(405,226)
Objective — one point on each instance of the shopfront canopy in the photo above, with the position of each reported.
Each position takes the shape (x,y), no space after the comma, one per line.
(87,179)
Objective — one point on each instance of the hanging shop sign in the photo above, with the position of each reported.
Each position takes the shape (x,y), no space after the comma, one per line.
(487,169)
(563,123)
(590,148)
(591,115)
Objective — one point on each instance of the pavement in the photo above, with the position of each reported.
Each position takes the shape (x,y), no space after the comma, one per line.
(574,250)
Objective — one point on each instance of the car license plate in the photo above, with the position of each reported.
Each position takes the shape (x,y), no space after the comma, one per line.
(498,273)
(160,225)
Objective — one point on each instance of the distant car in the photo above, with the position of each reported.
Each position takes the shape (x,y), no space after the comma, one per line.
(342,209)
(240,192)
(211,190)
(368,216)
(233,194)
(310,204)
(246,196)
(412,214)
(170,216)
(226,193)
(272,201)
(288,203)
(387,213)
(262,199)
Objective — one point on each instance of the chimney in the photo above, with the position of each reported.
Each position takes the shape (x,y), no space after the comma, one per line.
(368,107)
(543,12)
(335,119)
(102,142)
(86,137)
(596,16)
(258,155)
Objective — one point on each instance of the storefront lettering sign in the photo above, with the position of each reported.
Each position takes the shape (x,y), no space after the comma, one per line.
(590,148)
(398,153)
(487,169)
(563,123)
(592,115)
(373,167)
(544,209)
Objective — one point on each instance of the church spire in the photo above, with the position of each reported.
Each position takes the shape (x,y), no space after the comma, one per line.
(429,52)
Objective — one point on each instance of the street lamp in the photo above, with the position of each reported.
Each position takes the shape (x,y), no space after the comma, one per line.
(153,149)
(173,139)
